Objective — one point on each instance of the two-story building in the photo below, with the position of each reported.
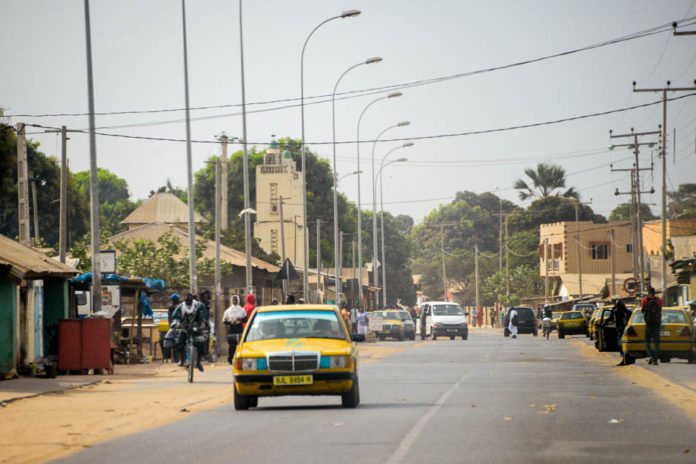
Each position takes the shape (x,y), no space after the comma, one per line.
(569,250)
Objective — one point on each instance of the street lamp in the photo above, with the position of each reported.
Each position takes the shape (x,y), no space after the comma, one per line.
(376,59)
(247,206)
(305,238)
(375,274)
(360,265)
(381,214)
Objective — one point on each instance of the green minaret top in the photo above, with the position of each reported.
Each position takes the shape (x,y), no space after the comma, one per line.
(273,144)
(287,155)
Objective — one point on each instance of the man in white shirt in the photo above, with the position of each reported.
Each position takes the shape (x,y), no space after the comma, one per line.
(234,318)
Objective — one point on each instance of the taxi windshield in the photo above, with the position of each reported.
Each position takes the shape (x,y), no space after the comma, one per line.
(668,317)
(405,316)
(386,314)
(447,310)
(571,315)
(295,324)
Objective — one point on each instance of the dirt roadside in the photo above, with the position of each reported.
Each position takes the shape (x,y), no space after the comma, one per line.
(50,426)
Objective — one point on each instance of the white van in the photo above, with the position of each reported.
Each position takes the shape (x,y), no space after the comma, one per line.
(442,318)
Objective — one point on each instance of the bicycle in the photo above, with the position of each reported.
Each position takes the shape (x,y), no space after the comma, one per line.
(195,336)
(547,327)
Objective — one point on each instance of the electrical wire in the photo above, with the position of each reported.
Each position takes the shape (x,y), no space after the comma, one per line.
(635,35)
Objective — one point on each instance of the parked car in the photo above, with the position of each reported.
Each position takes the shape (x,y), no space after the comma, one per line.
(443,318)
(408,323)
(590,324)
(296,350)
(555,316)
(526,321)
(572,322)
(585,308)
(676,336)
(392,324)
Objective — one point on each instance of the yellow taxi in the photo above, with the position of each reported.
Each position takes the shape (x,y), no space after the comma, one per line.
(392,325)
(296,350)
(602,313)
(590,324)
(555,316)
(676,336)
(571,322)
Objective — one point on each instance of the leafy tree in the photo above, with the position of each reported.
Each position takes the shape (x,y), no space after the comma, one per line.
(683,200)
(524,282)
(623,213)
(546,179)
(44,173)
(114,203)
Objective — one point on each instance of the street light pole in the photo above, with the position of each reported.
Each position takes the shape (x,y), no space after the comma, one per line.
(381,214)
(339,287)
(305,236)
(360,261)
(247,207)
(375,274)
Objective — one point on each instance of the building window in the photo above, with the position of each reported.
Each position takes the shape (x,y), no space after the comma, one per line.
(629,248)
(600,250)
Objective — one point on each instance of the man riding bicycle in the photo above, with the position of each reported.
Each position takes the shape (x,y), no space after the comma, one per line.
(189,318)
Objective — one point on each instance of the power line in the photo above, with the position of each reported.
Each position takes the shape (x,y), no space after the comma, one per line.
(358,93)
(402,139)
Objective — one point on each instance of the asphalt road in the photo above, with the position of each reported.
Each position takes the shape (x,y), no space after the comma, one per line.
(487,399)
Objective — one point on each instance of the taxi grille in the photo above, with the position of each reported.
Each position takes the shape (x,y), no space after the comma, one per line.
(293,362)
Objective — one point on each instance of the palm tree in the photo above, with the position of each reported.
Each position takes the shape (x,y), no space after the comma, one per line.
(545,181)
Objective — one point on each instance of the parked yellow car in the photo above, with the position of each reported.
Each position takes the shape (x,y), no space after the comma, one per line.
(603,313)
(296,350)
(555,316)
(590,324)
(571,322)
(676,336)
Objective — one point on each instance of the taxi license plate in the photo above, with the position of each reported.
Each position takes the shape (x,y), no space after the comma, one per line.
(452,330)
(664,333)
(573,324)
(293,380)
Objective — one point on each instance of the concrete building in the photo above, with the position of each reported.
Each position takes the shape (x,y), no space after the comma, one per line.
(604,249)
(278,177)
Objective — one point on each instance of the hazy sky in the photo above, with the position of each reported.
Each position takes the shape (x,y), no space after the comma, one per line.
(138,66)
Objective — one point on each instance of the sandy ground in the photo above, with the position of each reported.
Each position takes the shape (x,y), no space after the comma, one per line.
(136,398)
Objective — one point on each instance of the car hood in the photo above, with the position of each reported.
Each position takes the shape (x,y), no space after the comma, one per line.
(450,319)
(323,345)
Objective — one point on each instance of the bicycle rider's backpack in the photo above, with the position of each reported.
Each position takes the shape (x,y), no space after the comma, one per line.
(652,312)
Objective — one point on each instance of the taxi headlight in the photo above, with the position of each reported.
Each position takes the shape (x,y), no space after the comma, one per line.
(249,364)
(333,362)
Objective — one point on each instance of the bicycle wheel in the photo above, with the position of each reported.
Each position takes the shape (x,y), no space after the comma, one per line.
(192,361)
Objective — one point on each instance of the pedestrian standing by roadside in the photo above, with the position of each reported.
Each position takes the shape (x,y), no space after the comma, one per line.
(502,316)
(493,316)
(512,326)
(474,317)
(479,317)
(353,319)
(249,306)
(652,313)
(234,319)
(362,321)
(346,316)
(620,314)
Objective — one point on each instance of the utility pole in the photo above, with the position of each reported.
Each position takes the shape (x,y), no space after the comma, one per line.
(613,268)
(319,279)
(639,216)
(218,284)
(93,190)
(35,207)
(476,273)
(22,185)
(444,268)
(224,221)
(546,269)
(63,221)
(664,160)
(577,242)
(63,213)
(507,262)
(286,282)
(339,265)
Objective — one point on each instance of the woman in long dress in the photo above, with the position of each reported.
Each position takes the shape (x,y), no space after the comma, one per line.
(512,328)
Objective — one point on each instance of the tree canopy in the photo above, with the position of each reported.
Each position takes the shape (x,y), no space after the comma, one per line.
(546,180)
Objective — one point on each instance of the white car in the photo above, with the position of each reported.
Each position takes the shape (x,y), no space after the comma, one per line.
(442,318)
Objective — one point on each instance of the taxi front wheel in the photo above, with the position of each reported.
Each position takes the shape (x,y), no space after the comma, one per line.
(351,398)
(243,402)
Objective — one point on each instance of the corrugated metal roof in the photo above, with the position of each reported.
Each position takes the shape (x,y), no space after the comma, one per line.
(26,262)
(162,207)
(154,231)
